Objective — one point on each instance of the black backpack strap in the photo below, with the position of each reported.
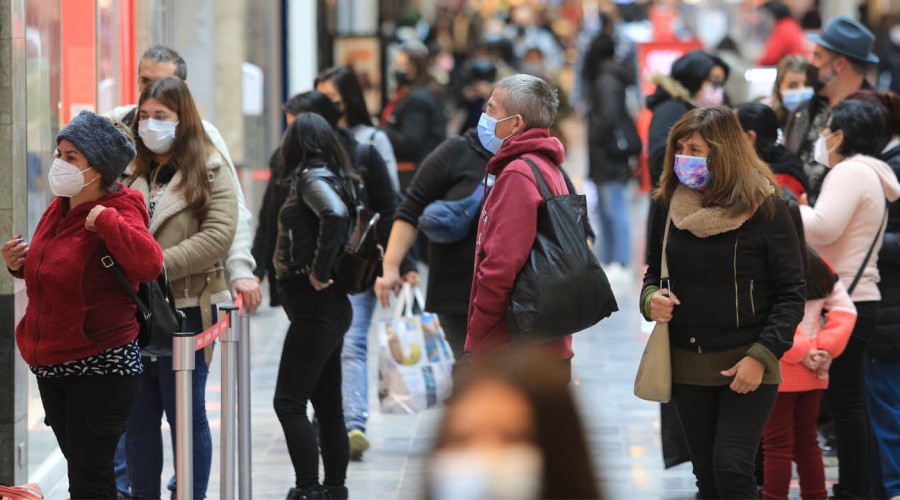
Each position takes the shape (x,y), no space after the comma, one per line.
(539,178)
(110,264)
(869,253)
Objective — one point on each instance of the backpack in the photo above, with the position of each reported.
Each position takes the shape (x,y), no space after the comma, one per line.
(561,289)
(156,313)
(445,221)
(360,262)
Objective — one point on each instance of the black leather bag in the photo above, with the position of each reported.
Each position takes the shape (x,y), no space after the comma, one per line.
(360,263)
(561,289)
(157,315)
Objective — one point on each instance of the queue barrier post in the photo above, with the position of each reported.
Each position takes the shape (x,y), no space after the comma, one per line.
(228,444)
(183,366)
(244,442)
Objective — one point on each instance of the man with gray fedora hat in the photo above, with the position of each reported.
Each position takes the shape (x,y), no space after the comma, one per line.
(842,55)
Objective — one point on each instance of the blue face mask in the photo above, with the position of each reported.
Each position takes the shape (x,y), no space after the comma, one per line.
(792,99)
(486,128)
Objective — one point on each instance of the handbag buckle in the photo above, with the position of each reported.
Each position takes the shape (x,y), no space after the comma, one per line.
(107,261)
(665,284)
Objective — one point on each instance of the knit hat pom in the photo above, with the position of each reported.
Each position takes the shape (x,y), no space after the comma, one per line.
(107,149)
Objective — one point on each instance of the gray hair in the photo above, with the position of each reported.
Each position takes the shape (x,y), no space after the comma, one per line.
(530,97)
(161,54)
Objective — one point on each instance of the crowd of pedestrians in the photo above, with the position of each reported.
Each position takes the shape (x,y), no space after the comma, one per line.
(777,220)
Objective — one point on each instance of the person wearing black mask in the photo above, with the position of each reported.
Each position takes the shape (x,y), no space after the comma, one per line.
(414,118)
(840,60)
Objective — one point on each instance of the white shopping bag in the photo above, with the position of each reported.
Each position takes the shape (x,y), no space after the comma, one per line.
(415,361)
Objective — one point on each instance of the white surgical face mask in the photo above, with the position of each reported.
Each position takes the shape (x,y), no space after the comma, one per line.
(511,473)
(65,179)
(711,96)
(821,150)
(157,135)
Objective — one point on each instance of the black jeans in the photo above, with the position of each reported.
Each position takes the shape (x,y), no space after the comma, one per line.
(723,430)
(846,398)
(87,415)
(310,370)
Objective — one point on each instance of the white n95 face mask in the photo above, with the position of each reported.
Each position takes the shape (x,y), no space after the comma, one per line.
(157,135)
(821,151)
(65,179)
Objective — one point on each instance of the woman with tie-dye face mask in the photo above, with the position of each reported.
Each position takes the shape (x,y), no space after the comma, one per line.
(732,298)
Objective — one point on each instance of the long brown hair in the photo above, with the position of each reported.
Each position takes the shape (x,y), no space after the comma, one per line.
(795,63)
(191,148)
(740,180)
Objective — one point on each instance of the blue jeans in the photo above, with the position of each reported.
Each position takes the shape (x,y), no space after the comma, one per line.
(143,437)
(355,385)
(883,387)
(615,242)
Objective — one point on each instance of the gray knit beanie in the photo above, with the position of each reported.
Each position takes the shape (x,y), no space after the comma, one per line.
(106,148)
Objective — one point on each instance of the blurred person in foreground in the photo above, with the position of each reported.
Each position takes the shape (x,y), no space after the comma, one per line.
(79,332)
(511,430)
(733,297)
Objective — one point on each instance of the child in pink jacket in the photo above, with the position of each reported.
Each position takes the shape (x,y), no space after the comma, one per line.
(790,434)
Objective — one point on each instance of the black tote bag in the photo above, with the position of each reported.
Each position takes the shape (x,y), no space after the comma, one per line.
(561,289)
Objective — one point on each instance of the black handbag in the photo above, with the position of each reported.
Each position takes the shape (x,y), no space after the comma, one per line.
(623,140)
(561,289)
(157,315)
(361,261)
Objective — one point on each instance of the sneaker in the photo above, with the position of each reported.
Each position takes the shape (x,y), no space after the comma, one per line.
(359,443)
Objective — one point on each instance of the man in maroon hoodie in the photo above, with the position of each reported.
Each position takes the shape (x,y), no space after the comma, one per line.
(515,124)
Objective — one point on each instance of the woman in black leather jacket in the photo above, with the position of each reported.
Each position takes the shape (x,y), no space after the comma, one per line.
(313,227)
(735,264)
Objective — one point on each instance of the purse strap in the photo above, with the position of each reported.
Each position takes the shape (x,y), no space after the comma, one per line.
(664,266)
(869,253)
(109,263)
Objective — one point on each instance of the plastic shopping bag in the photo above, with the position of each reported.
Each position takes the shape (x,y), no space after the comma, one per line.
(415,360)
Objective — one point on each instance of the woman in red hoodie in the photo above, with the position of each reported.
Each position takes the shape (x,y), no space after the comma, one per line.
(79,332)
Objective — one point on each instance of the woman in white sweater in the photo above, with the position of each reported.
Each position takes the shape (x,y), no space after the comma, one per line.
(845,227)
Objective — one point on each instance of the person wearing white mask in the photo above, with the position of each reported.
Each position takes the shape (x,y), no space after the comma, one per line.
(511,431)
(79,332)
(159,62)
(190,195)
(846,228)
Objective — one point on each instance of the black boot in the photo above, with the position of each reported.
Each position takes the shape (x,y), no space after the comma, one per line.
(315,491)
(336,492)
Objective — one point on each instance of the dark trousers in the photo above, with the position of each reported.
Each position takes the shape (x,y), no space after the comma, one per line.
(723,429)
(310,371)
(87,415)
(790,436)
(846,398)
(454,326)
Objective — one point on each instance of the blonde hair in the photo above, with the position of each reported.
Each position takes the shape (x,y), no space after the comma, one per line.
(740,181)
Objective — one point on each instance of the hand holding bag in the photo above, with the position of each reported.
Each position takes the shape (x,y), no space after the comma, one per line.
(653,381)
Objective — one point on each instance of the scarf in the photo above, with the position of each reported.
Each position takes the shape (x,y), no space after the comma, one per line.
(689,214)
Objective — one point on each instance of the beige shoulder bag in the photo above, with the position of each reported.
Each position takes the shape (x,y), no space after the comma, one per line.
(653,381)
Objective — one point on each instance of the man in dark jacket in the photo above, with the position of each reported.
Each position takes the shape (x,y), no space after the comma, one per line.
(516,123)
(842,56)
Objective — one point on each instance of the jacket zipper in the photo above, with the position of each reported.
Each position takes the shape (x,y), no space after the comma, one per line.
(291,238)
(37,274)
(752,301)
(737,310)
